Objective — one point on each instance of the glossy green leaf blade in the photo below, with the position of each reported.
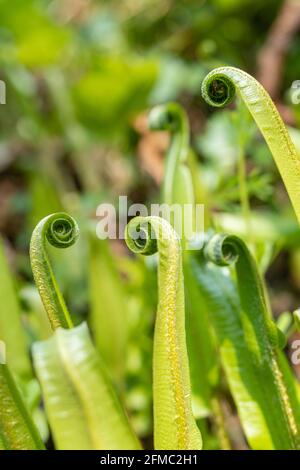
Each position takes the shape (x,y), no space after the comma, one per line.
(10,323)
(220,299)
(76,387)
(202,349)
(17,430)
(174,424)
(263,341)
(218,89)
(107,421)
(63,408)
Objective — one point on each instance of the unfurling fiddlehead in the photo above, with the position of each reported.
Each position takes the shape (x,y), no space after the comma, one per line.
(177,185)
(61,231)
(218,89)
(83,410)
(264,341)
(174,424)
(181,185)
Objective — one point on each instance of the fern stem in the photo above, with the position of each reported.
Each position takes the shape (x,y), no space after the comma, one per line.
(218,89)
(61,231)
(263,338)
(174,424)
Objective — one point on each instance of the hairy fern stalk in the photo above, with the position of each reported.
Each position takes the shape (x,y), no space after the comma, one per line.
(174,424)
(219,88)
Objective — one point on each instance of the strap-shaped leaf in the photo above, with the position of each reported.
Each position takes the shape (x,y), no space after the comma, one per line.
(10,323)
(202,350)
(219,297)
(218,89)
(178,188)
(259,364)
(17,430)
(174,424)
(83,410)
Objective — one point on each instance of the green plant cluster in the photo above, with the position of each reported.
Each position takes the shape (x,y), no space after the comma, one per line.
(215,293)
(146,343)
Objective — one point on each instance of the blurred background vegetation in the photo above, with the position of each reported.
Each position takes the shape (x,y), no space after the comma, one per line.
(80,78)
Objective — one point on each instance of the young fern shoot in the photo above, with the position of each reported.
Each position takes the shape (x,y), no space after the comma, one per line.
(174,424)
(83,410)
(180,188)
(278,398)
(177,184)
(61,231)
(218,89)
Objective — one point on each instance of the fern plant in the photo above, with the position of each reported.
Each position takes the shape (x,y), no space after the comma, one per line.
(243,322)
(249,342)
(81,405)
(213,319)
(179,188)
(174,424)
(251,350)
(219,88)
